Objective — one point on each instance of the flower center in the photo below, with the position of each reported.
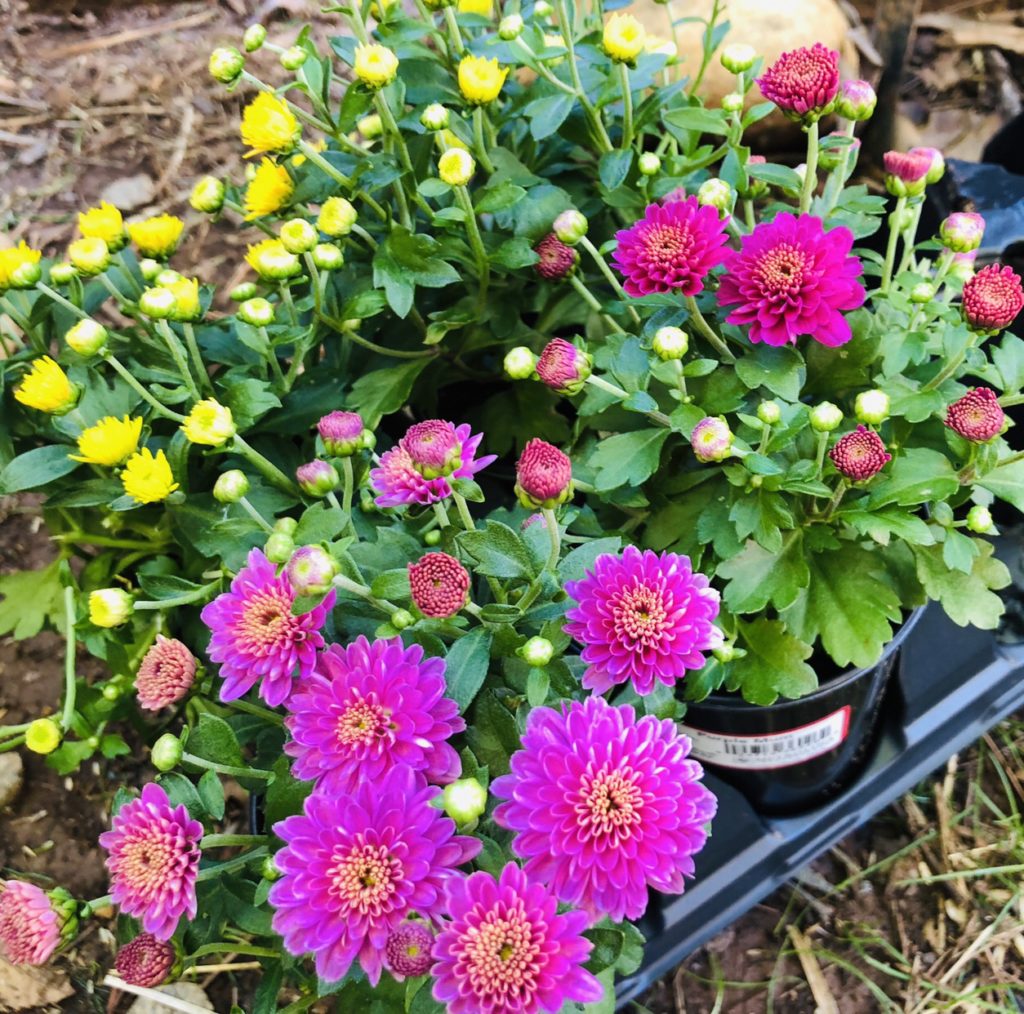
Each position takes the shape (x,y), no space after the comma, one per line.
(146,863)
(365,878)
(667,245)
(267,624)
(780,271)
(640,615)
(501,955)
(363,722)
(609,804)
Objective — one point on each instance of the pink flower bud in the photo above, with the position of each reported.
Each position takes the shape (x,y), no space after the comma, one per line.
(711,439)
(341,433)
(962,231)
(317,478)
(803,83)
(992,298)
(563,367)
(543,475)
(557,261)
(434,447)
(977,416)
(145,961)
(166,674)
(857,100)
(407,951)
(439,585)
(859,455)
(906,173)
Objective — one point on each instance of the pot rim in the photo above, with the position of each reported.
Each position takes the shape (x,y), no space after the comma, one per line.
(724,699)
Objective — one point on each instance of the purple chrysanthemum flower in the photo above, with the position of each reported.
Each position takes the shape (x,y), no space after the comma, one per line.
(506,949)
(642,617)
(671,249)
(355,866)
(256,637)
(407,952)
(368,707)
(30,927)
(604,805)
(153,861)
(145,961)
(792,278)
(398,481)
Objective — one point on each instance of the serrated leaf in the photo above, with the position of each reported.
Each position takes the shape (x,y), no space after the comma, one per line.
(1007,482)
(498,550)
(211,792)
(466,666)
(968,599)
(775,664)
(30,599)
(214,740)
(391,584)
(881,524)
(757,577)
(285,794)
(627,459)
(917,476)
(576,563)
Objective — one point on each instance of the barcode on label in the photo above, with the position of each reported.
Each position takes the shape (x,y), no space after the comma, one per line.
(777,750)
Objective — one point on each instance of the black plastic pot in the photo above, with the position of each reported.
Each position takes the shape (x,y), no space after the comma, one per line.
(794,754)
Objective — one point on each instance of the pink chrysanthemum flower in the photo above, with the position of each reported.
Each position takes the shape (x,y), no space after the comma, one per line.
(992,298)
(604,806)
(145,961)
(407,952)
(434,447)
(671,249)
(804,82)
(439,585)
(166,674)
(506,949)
(398,481)
(563,367)
(30,927)
(355,866)
(976,416)
(859,455)
(341,432)
(368,707)
(791,278)
(907,166)
(255,636)
(642,617)
(557,260)
(543,475)
(153,861)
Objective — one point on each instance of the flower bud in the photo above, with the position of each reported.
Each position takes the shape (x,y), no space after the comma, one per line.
(341,433)
(255,36)
(158,303)
(27,274)
(769,413)
(435,116)
(328,257)
(272,262)
(209,423)
(62,273)
(830,158)
(240,293)
(168,278)
(231,486)
(43,736)
(375,65)
(112,691)
(859,455)
(110,607)
(732,103)
(279,548)
(537,651)
(293,58)
(146,961)
(456,167)
(317,478)
(510,27)
(649,164)
(718,194)
(464,800)
(311,570)
(258,312)
(825,417)
(150,268)
(298,236)
(556,261)
(563,367)
(520,363)
(570,227)
(402,618)
(542,9)
(906,174)
(856,101)
(208,195)
(370,126)
(738,58)
(960,232)
(226,64)
(962,267)
(624,37)
(712,439)
(88,337)
(337,216)
(937,168)
(288,526)
(922,293)
(670,343)
(872,407)
(977,416)
(269,870)
(89,255)
(725,652)
(432,538)
(167,752)
(543,476)
(979,520)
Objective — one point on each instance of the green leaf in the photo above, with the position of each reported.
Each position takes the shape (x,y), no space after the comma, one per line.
(492,734)
(880,525)
(1008,358)
(214,740)
(576,564)
(775,663)
(627,459)
(780,370)
(211,792)
(249,400)
(537,685)
(30,598)
(382,392)
(919,475)
(466,666)
(285,794)
(757,577)
(498,550)
(777,175)
(319,523)
(959,551)
(514,253)
(546,115)
(707,121)
(165,586)
(405,260)
(1007,482)
(614,167)
(499,197)
(36,468)
(495,612)
(391,584)
(969,600)
(181,791)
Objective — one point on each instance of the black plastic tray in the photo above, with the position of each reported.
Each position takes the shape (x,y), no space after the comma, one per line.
(953,686)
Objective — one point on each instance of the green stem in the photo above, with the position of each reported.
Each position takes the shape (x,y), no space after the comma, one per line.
(216,841)
(361,591)
(254,709)
(365,236)
(347,487)
(273,474)
(236,862)
(352,335)
(544,71)
(605,270)
(178,355)
(441,514)
(680,382)
(910,237)
(122,371)
(591,300)
(12,744)
(565,24)
(842,172)
(604,385)
(478,134)
(810,169)
(748,214)
(476,242)
(226,769)
(109,541)
(228,947)
(452,24)
(275,366)
(197,358)
(707,331)
(627,107)
(837,498)
(118,295)
(338,176)
(122,263)
(554,537)
(709,28)
(13,730)
(950,368)
(58,298)
(819,460)
(890,250)
(286,298)
(15,315)
(197,595)
(464,516)
(70,683)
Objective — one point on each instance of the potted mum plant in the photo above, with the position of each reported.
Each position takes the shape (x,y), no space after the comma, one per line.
(442,626)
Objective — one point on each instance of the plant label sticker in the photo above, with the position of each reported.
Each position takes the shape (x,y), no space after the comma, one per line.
(775,750)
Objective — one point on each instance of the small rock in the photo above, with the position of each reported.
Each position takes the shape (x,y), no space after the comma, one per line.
(190,992)
(11,777)
(130,192)
(23,987)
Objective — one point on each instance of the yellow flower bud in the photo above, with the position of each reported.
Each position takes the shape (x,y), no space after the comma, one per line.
(207,195)
(209,423)
(13,262)
(271,261)
(337,216)
(376,66)
(456,167)
(103,222)
(480,79)
(269,190)
(624,38)
(370,126)
(157,236)
(46,387)
(109,442)
(269,125)
(43,736)
(87,337)
(89,255)
(110,607)
(484,8)
(186,299)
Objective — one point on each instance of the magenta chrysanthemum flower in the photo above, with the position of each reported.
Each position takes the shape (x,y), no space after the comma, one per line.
(439,585)
(407,952)
(341,432)
(604,806)
(145,961)
(791,278)
(506,950)
(153,861)
(355,866)
(255,636)
(804,82)
(642,617)
(976,416)
(859,455)
(368,707)
(557,260)
(671,249)
(166,674)
(543,475)
(30,927)
(992,298)
(434,447)
(398,481)
(563,367)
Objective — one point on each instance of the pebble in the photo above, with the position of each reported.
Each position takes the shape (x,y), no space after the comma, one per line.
(12,777)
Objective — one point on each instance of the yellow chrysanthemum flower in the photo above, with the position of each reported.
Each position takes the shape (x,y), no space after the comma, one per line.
(271,261)
(42,736)
(14,261)
(624,38)
(104,222)
(186,298)
(485,8)
(209,423)
(90,255)
(268,191)
(480,79)
(46,387)
(158,236)
(456,167)
(269,125)
(109,442)
(148,477)
(375,65)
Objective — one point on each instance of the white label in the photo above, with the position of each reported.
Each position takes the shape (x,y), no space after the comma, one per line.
(777,750)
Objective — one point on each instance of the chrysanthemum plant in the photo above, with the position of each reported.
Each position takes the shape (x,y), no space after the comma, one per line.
(294,534)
